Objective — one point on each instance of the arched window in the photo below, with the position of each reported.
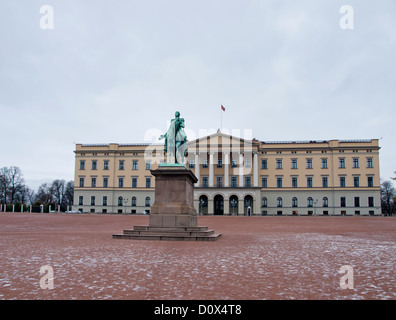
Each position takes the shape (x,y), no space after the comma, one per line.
(294,202)
(147,201)
(264,202)
(133,201)
(120,201)
(279,202)
(310,202)
(325,202)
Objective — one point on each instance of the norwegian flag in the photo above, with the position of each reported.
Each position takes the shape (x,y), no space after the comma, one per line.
(222,108)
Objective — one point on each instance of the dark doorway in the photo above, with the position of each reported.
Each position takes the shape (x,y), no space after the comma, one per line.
(248,207)
(218,205)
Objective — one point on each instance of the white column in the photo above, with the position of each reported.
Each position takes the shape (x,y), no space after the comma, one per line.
(226,163)
(211,169)
(197,167)
(255,169)
(241,170)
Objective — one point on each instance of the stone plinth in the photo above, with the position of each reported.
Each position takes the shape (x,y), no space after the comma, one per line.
(174,196)
(172,216)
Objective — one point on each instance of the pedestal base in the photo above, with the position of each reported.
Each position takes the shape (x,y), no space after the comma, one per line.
(173,216)
(171,234)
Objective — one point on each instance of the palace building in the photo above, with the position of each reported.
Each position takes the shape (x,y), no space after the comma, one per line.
(237,176)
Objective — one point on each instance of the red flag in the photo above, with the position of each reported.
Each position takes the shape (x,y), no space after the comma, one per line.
(222,108)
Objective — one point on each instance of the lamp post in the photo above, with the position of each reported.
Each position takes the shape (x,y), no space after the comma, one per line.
(315,202)
(233,204)
(125,202)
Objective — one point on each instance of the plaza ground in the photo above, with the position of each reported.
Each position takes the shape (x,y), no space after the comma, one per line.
(256,258)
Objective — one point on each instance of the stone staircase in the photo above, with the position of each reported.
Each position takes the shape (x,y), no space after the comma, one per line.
(168,233)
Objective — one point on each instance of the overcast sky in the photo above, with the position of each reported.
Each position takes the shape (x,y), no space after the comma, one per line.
(112,71)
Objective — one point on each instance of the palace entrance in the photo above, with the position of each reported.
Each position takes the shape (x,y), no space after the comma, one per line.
(218,205)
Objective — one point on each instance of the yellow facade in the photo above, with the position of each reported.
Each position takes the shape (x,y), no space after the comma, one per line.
(237,176)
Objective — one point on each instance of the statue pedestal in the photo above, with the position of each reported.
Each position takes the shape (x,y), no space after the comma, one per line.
(172,216)
(174,197)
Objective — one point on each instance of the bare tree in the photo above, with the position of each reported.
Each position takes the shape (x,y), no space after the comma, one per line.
(69,193)
(388,192)
(11,184)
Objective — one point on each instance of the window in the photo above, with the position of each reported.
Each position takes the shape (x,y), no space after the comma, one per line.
(356,182)
(134,164)
(342,202)
(264,182)
(325,202)
(94,164)
(81,182)
(324,163)
(105,182)
(294,202)
(294,182)
(234,182)
(370,181)
(133,201)
(357,202)
(104,201)
(264,164)
(264,202)
(248,182)
(279,182)
(233,163)
(134,182)
(204,163)
(121,164)
(369,162)
(355,163)
(309,182)
(93,182)
(294,163)
(147,202)
(148,165)
(371,202)
(219,182)
(148,182)
(80,200)
(325,182)
(248,163)
(120,182)
(342,182)
(341,162)
(309,163)
(278,163)
(191,163)
(219,163)
(310,202)
(105,164)
(119,201)
(205,183)
(82,164)
(279,202)
(92,200)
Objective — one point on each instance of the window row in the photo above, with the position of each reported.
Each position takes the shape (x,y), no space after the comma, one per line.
(120,180)
(310,202)
(120,201)
(325,182)
(121,164)
(324,163)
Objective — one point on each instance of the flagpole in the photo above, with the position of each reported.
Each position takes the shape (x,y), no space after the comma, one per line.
(221,119)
